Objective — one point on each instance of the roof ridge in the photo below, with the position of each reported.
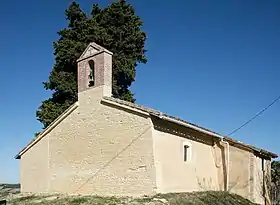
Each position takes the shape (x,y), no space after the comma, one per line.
(133,105)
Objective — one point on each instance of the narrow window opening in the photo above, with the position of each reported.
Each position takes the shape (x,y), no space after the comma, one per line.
(263,167)
(91,74)
(186,147)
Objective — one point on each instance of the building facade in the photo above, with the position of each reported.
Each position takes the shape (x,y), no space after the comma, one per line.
(102,145)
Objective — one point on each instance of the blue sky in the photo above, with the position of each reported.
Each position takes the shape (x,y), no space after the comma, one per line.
(213,63)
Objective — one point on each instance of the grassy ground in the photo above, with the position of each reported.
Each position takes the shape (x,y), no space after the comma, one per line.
(195,198)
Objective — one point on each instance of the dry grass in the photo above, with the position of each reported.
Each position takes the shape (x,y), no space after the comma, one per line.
(195,198)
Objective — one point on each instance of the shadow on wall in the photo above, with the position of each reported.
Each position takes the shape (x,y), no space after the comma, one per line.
(205,184)
(112,159)
(236,180)
(181,131)
(219,152)
(238,185)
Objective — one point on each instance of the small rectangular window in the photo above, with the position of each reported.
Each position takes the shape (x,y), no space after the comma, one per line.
(186,147)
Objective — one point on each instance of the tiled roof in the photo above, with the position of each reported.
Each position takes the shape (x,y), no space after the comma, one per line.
(160,114)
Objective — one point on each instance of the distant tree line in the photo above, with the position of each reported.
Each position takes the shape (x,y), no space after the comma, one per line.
(10,186)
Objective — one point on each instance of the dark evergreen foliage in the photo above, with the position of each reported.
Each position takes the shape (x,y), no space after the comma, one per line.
(116,28)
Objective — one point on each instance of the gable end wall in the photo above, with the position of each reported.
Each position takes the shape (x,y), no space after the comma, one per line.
(97,149)
(34,175)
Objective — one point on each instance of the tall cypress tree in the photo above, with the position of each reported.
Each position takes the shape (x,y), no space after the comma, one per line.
(116,28)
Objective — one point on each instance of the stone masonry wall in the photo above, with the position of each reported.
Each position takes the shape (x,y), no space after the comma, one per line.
(174,174)
(100,149)
(34,175)
(239,176)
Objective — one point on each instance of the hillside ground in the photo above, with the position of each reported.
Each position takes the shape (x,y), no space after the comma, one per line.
(195,198)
